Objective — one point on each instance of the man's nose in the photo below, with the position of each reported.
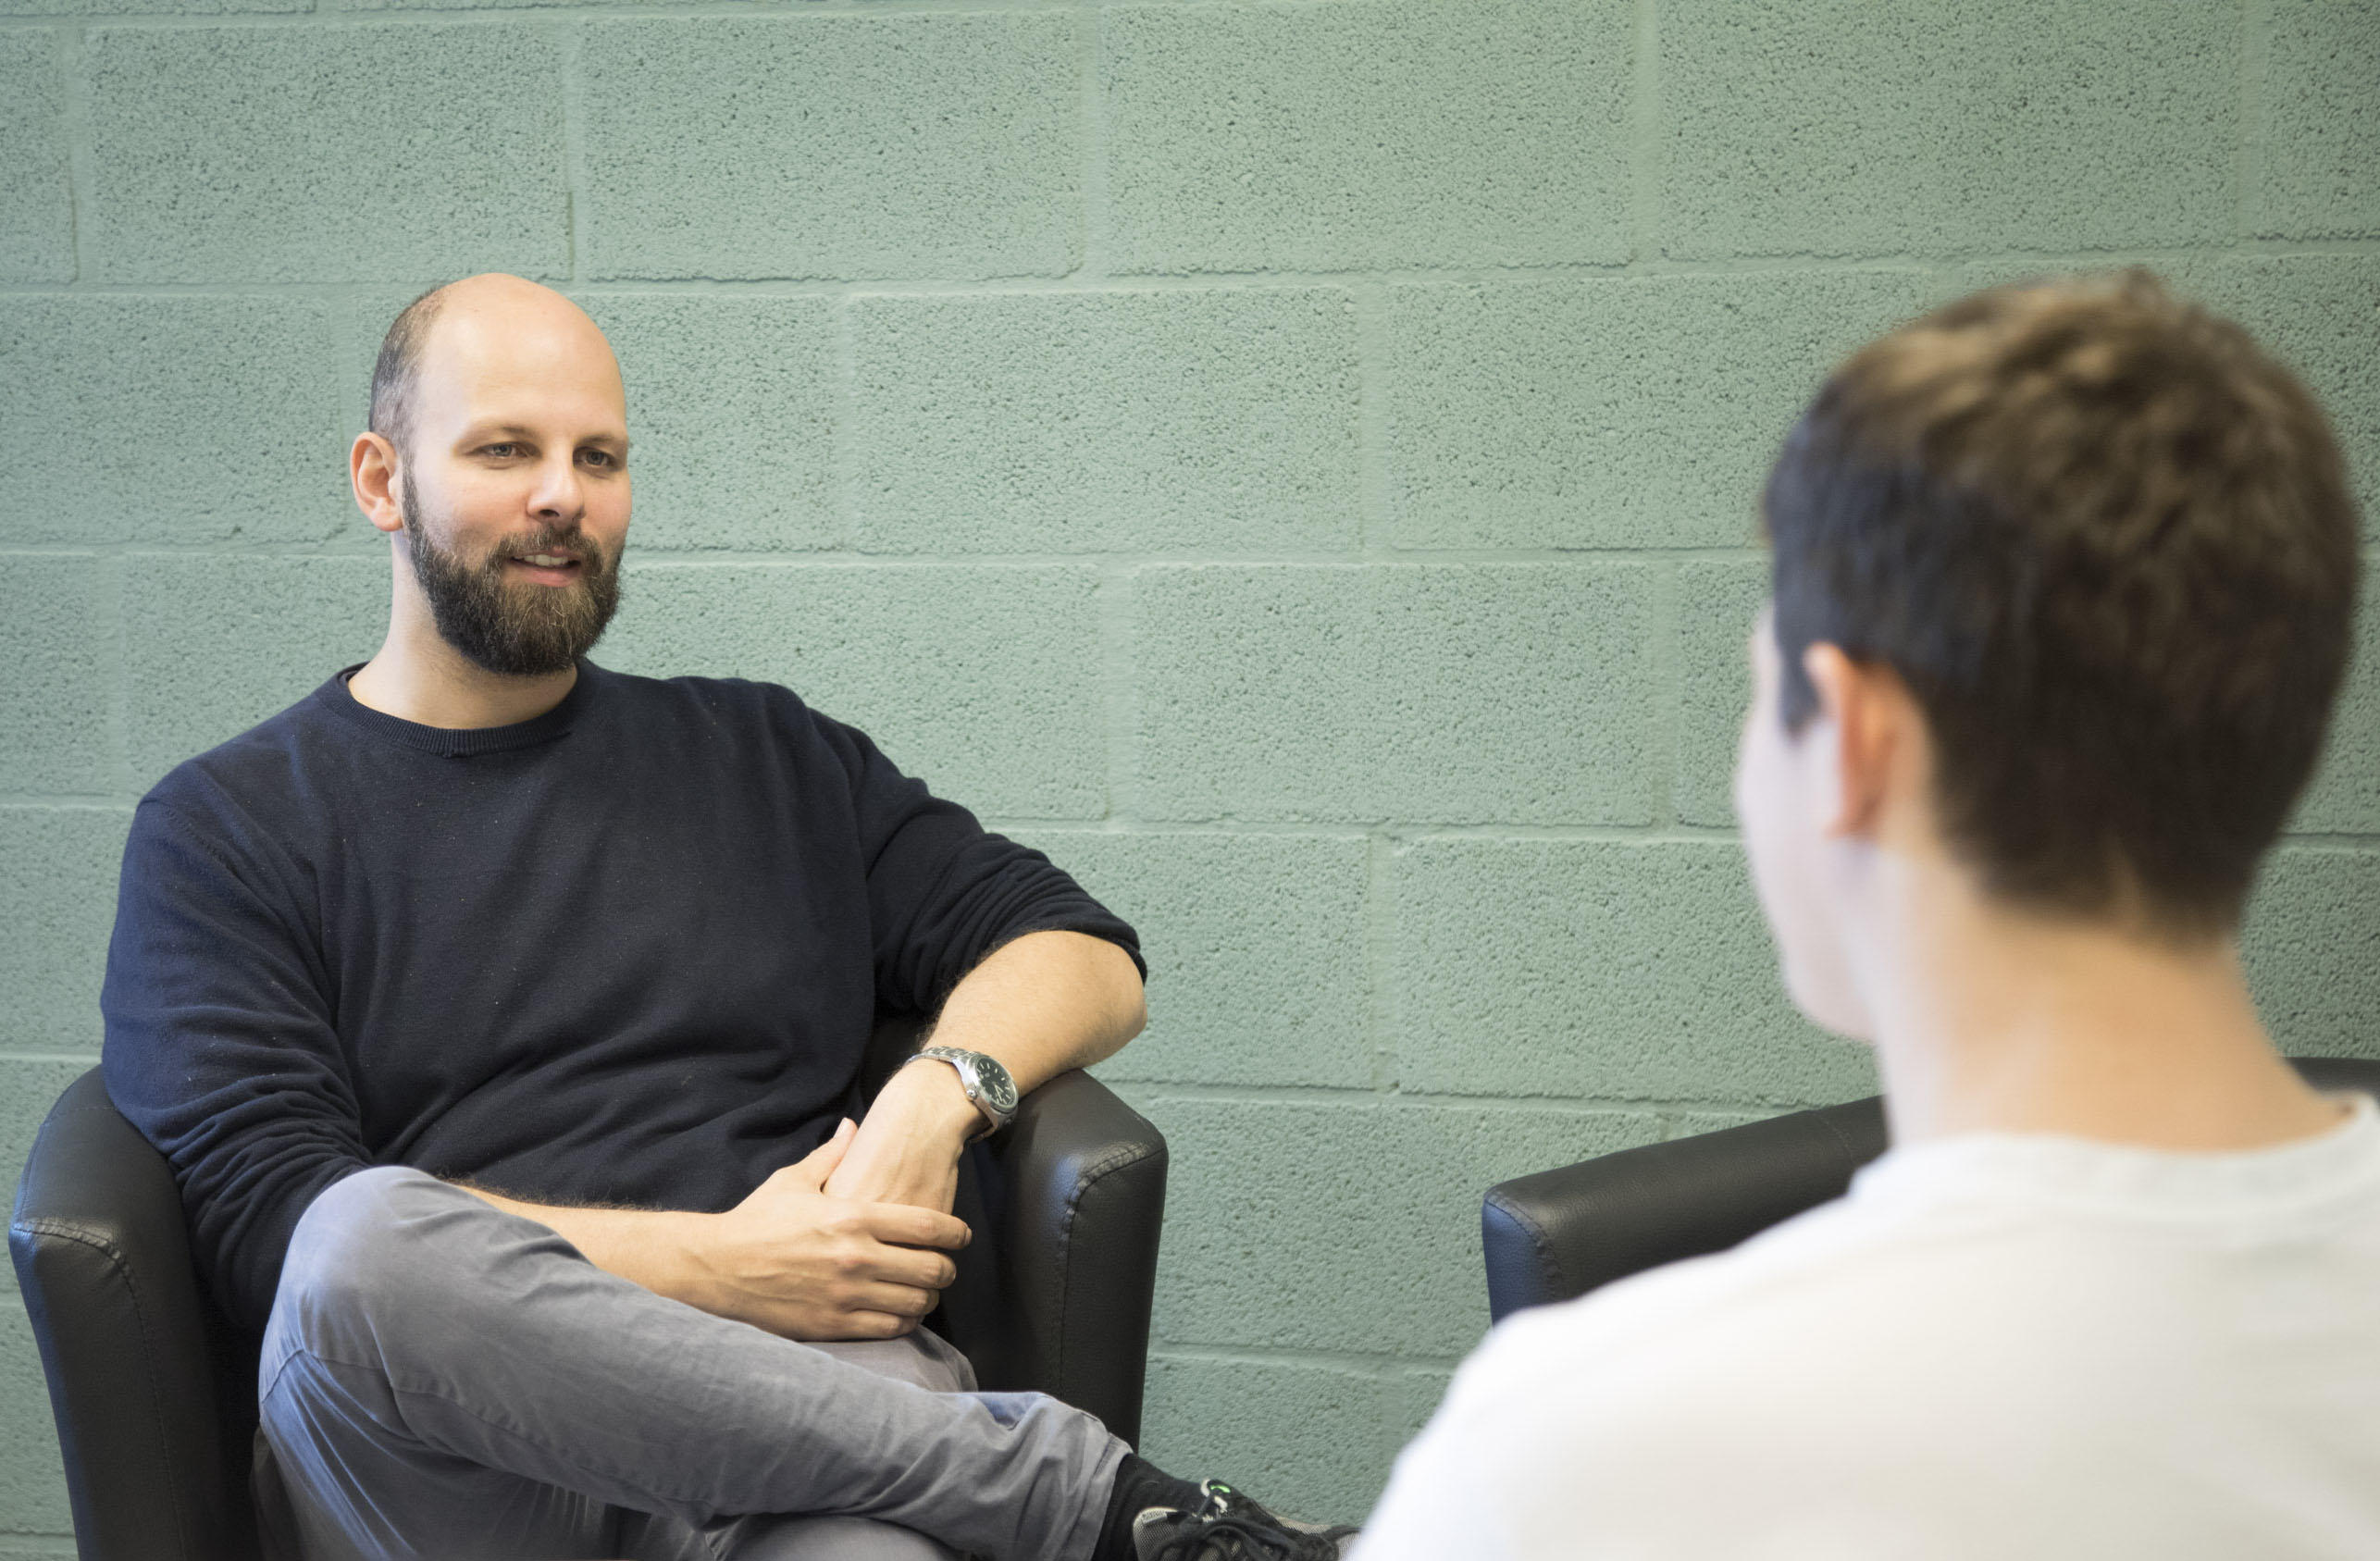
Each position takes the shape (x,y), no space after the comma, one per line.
(559,495)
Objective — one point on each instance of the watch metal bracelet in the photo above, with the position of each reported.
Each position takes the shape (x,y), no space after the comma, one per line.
(987,1085)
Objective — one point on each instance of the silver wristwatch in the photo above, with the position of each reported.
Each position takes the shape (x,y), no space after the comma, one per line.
(986,1082)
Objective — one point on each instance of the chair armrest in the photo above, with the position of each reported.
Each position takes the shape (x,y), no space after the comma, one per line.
(1560,1233)
(1067,1203)
(126,1340)
(1084,1181)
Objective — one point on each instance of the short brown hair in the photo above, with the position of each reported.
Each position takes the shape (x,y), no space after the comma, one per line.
(396,373)
(2109,544)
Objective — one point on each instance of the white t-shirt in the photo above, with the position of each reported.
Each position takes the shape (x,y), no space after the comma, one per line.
(1994,1346)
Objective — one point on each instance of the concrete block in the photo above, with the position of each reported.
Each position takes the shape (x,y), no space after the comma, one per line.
(1257,950)
(1351,136)
(317,156)
(58,903)
(1603,971)
(54,704)
(215,645)
(1716,604)
(1250,690)
(32,1477)
(1846,126)
(1610,411)
(1516,693)
(2311,945)
(1302,1438)
(835,146)
(1041,423)
(732,404)
(180,420)
(986,683)
(2316,148)
(36,203)
(2345,796)
(1316,1226)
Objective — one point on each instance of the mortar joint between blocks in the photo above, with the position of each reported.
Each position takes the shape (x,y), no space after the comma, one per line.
(83,161)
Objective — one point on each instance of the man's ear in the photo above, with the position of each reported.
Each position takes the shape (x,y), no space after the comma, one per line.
(1861,711)
(372,472)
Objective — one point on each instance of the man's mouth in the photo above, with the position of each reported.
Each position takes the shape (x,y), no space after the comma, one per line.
(546,568)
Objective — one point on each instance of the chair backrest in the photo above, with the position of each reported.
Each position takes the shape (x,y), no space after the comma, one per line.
(155,1393)
(1560,1233)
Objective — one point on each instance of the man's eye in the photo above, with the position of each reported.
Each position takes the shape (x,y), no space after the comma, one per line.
(503,451)
(598,458)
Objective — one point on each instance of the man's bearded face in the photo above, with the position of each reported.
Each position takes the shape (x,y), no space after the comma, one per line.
(514,628)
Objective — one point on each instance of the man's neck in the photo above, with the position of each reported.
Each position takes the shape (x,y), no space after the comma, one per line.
(418,676)
(2007,1022)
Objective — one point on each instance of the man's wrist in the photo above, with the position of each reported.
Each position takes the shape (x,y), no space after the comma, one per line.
(693,1277)
(934,1088)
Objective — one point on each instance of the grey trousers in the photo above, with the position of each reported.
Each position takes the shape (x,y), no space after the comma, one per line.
(444,1380)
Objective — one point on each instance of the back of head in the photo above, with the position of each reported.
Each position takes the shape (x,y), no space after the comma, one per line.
(2108,543)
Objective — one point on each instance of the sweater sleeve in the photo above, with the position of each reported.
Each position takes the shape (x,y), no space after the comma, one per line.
(943,891)
(220,1047)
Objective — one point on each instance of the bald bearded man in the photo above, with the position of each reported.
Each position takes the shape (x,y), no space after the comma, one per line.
(499,1014)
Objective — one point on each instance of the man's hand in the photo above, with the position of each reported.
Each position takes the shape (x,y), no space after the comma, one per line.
(848,1243)
(806,1263)
(906,1150)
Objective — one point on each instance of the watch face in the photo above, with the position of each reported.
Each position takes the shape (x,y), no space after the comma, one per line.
(999,1090)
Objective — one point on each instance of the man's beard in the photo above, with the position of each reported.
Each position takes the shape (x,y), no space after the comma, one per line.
(515,631)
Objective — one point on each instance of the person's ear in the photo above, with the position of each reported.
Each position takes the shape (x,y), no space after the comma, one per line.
(1860,713)
(372,471)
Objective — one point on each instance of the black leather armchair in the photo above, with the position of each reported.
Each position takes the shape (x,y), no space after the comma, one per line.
(155,1393)
(1560,1233)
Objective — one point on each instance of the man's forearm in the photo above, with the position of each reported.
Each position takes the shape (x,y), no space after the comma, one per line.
(1047,1002)
(654,1247)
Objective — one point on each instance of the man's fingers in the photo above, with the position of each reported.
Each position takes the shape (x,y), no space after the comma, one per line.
(906,1225)
(812,1169)
(909,1267)
(848,1325)
(895,1300)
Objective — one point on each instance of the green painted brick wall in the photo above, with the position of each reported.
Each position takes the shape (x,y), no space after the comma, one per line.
(1293,461)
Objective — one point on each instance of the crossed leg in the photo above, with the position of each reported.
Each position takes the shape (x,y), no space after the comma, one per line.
(443,1379)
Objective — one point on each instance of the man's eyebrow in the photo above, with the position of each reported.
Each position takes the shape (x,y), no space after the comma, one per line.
(522,431)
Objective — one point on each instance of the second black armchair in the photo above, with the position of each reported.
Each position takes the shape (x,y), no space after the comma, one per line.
(1560,1233)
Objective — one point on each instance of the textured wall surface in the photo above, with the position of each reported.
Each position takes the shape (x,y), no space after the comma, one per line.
(1291,461)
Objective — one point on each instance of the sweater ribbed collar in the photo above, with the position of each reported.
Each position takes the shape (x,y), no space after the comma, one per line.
(462,743)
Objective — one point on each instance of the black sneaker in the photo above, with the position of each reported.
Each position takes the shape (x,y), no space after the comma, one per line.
(1226,1526)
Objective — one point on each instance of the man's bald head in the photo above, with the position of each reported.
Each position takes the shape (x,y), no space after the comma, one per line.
(489,298)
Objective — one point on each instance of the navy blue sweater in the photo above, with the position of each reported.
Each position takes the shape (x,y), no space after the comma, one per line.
(628,952)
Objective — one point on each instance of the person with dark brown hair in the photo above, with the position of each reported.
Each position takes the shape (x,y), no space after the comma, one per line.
(2063,583)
